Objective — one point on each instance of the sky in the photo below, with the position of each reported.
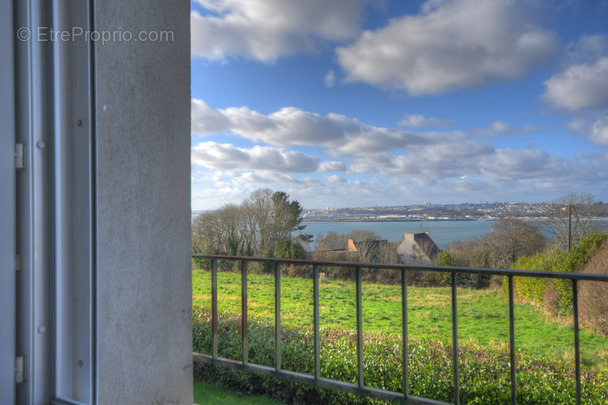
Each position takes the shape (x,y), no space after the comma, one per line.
(358,103)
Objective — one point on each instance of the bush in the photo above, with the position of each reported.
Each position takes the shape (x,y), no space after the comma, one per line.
(555,296)
(287,249)
(471,253)
(484,371)
(593,296)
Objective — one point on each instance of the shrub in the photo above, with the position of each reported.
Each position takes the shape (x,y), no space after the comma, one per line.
(287,249)
(470,253)
(484,371)
(593,296)
(555,296)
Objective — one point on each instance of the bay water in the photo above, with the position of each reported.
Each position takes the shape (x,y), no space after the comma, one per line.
(442,232)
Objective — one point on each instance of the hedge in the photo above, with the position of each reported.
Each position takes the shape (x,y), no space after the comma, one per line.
(484,371)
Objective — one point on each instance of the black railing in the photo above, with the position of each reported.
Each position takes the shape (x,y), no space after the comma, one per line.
(360,388)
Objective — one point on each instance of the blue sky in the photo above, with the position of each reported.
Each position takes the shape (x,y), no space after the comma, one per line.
(350,103)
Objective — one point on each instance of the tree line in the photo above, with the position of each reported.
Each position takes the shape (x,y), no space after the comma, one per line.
(262,225)
(269,224)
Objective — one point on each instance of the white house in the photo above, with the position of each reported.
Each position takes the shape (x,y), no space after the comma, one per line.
(417,248)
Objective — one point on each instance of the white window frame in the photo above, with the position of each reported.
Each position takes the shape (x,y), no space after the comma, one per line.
(53,219)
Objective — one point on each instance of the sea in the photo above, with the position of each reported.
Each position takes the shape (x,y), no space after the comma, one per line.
(442,232)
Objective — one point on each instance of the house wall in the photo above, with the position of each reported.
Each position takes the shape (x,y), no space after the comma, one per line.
(351,246)
(142,106)
(410,252)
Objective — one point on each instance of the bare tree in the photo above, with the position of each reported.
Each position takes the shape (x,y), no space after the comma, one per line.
(582,224)
(511,239)
(258,211)
(362,234)
(206,233)
(332,240)
(253,227)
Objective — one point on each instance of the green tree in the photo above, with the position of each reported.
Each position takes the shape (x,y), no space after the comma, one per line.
(289,249)
(287,217)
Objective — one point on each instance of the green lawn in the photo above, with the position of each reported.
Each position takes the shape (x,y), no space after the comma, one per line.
(211,394)
(482,314)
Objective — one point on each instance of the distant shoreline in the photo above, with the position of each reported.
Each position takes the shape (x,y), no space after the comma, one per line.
(389,220)
(427,220)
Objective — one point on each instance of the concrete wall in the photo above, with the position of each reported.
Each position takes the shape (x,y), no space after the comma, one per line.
(144,341)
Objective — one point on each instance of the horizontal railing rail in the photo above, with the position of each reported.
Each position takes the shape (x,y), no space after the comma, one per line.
(360,388)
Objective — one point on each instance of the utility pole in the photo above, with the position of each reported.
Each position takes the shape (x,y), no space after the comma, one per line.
(569,227)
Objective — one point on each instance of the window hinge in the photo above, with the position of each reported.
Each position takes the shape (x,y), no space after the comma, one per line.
(18,263)
(19,158)
(19,370)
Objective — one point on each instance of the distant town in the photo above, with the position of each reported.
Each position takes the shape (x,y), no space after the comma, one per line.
(444,212)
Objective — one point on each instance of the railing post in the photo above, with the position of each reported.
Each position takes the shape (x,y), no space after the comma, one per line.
(577,354)
(512,342)
(316,321)
(214,314)
(359,388)
(455,340)
(359,328)
(277,316)
(404,336)
(244,315)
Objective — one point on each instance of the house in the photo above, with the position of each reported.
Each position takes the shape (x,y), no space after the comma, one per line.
(369,249)
(417,248)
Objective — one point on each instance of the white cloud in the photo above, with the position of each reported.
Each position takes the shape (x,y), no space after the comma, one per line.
(336,179)
(512,168)
(451,45)
(205,120)
(288,126)
(499,128)
(588,48)
(341,156)
(418,120)
(502,174)
(330,79)
(227,157)
(332,166)
(265,30)
(599,132)
(292,126)
(579,87)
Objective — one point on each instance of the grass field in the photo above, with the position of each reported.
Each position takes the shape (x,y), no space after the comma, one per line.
(482,314)
(213,394)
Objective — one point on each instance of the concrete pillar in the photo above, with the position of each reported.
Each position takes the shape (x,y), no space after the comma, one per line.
(142,107)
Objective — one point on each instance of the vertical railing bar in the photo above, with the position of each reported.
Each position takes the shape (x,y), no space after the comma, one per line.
(512,342)
(404,334)
(316,321)
(577,354)
(277,316)
(214,312)
(455,340)
(244,315)
(359,328)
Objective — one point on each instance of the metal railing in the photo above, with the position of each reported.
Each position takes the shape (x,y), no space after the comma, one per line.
(360,388)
